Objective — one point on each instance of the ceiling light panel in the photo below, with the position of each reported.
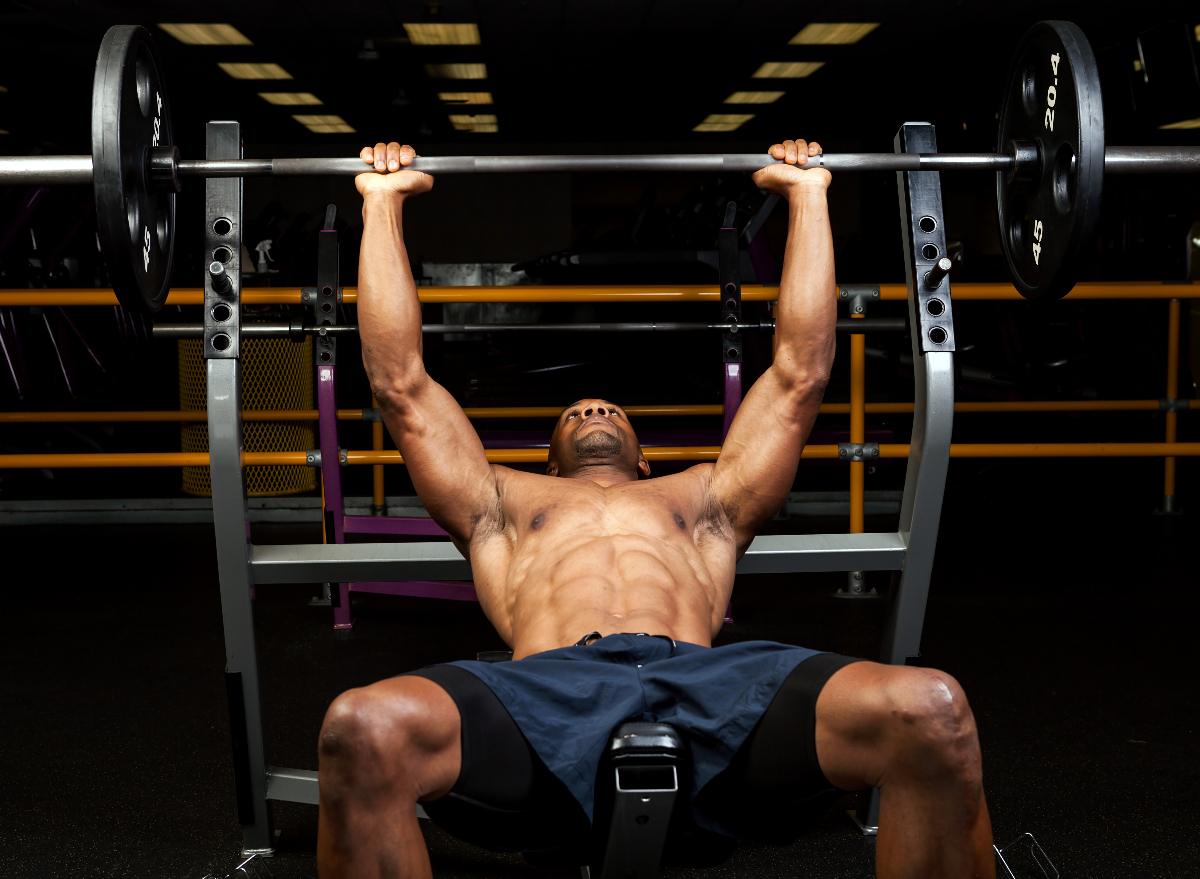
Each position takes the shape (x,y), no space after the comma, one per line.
(290,99)
(479,123)
(465,97)
(754,97)
(833,33)
(244,70)
(788,69)
(456,71)
(325,124)
(442,34)
(724,121)
(207,34)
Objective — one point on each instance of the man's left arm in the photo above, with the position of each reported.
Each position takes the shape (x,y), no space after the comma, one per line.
(757,464)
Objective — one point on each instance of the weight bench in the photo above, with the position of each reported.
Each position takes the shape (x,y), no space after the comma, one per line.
(908,551)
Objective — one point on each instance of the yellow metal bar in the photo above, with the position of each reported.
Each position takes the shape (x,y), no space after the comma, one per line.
(662,453)
(1172,392)
(858,428)
(614,293)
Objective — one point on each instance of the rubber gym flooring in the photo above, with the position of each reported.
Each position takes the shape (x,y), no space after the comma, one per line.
(1065,608)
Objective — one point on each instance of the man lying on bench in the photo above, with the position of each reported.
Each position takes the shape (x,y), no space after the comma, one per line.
(609,586)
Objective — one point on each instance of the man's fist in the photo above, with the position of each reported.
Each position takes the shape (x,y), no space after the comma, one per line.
(780,179)
(391,158)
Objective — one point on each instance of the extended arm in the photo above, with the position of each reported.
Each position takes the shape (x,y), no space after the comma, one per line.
(757,464)
(441,450)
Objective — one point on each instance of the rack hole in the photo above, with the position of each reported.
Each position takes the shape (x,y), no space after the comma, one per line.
(326,291)
(732,352)
(222,254)
(327,307)
(930,251)
(730,304)
(730,289)
(220,342)
(935,307)
(928,224)
(937,335)
(221,312)
(324,356)
(222,225)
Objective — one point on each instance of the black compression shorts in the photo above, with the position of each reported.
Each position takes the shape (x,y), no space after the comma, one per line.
(505,799)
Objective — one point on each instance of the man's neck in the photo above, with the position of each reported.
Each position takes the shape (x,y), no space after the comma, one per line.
(603,474)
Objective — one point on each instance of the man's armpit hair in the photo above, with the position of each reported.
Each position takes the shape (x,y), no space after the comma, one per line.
(717,520)
(490,521)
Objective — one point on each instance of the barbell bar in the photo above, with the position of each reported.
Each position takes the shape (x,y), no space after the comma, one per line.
(1049,163)
(55,170)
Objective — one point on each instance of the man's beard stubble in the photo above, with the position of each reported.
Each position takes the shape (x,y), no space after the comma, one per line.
(597,445)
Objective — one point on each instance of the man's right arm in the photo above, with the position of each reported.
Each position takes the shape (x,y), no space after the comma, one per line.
(440,447)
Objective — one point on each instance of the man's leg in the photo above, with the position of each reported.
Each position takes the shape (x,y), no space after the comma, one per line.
(911,733)
(383,748)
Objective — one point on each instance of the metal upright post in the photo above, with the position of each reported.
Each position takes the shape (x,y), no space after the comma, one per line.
(379,497)
(729,268)
(325,299)
(931,319)
(222,320)
(1169,504)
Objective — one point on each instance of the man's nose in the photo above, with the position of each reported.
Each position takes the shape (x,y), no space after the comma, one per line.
(599,410)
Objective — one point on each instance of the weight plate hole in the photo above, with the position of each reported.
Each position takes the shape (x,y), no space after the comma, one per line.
(222,226)
(222,254)
(220,342)
(928,224)
(326,307)
(1064,177)
(145,89)
(935,307)
(221,313)
(937,335)
(930,251)
(162,228)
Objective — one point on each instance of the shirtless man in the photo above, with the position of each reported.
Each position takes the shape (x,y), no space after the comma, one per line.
(505,754)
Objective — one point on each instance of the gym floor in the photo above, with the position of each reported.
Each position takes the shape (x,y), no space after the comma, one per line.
(1070,623)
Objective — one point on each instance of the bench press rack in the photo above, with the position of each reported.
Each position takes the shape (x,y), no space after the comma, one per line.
(908,552)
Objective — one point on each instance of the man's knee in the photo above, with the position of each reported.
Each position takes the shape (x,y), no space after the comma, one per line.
(375,735)
(930,726)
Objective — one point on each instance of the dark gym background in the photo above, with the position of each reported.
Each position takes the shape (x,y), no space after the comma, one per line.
(1063,604)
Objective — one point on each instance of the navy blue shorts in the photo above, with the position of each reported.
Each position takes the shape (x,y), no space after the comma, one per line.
(533,773)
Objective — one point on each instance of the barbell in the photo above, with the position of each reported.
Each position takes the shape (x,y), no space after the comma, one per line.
(1049,165)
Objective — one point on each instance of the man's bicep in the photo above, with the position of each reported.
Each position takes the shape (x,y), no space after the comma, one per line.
(444,456)
(757,464)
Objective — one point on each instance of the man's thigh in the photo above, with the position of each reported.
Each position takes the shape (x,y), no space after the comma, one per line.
(774,786)
(504,798)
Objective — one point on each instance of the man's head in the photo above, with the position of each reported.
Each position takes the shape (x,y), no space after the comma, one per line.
(594,434)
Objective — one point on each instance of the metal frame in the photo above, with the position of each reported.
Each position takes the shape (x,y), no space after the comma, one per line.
(908,552)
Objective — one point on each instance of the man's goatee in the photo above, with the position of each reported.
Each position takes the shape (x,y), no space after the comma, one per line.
(598,445)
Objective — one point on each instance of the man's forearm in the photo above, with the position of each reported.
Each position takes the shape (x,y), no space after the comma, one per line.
(389,312)
(806,313)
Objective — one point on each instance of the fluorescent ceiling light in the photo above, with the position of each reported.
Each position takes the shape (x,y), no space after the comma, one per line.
(290,99)
(465,97)
(1186,123)
(3,89)
(325,124)
(442,34)
(788,69)
(482,123)
(207,34)
(723,121)
(243,70)
(456,71)
(833,33)
(754,97)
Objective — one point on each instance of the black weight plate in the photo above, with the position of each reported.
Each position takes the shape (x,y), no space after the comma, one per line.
(130,114)
(1048,224)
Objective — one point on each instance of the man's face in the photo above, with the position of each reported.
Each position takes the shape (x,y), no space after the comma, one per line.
(594,432)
